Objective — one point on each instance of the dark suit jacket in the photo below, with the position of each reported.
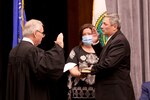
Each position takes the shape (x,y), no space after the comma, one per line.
(145,95)
(113,70)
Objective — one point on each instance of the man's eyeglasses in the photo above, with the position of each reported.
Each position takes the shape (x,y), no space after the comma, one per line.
(40,32)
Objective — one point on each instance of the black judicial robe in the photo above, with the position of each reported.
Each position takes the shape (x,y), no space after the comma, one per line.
(32,72)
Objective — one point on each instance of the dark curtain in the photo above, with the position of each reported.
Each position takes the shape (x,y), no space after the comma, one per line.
(52,14)
(5,41)
(0,53)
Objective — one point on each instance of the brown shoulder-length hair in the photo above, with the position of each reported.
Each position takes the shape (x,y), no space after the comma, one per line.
(84,26)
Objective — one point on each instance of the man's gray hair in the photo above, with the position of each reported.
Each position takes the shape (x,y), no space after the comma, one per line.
(31,26)
(114,19)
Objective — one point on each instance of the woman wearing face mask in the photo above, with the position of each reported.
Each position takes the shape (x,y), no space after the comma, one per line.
(81,84)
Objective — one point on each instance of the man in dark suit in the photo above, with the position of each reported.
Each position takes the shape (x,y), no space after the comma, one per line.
(145,95)
(113,80)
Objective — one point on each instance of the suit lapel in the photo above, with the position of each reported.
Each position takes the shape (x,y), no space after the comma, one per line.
(108,43)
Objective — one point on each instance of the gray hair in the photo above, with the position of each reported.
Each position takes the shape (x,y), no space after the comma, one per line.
(31,26)
(114,19)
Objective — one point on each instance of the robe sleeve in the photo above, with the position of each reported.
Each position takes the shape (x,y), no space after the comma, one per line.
(47,64)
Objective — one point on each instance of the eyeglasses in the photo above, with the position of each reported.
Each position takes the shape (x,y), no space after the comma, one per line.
(40,32)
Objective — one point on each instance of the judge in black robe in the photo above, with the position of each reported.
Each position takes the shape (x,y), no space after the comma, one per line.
(31,70)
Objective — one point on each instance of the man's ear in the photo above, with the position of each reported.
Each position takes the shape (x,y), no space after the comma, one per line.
(115,26)
(34,34)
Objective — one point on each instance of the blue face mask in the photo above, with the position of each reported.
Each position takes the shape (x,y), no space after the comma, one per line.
(87,39)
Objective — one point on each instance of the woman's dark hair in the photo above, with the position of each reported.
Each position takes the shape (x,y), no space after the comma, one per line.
(88,25)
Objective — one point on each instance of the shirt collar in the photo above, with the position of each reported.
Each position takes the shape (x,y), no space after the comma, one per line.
(109,38)
(27,39)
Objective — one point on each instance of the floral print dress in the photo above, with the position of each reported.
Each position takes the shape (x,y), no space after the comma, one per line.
(81,88)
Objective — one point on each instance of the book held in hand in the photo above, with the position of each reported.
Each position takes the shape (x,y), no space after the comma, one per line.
(85,70)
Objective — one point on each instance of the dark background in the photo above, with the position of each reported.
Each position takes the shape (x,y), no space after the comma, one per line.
(64,16)
(53,15)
